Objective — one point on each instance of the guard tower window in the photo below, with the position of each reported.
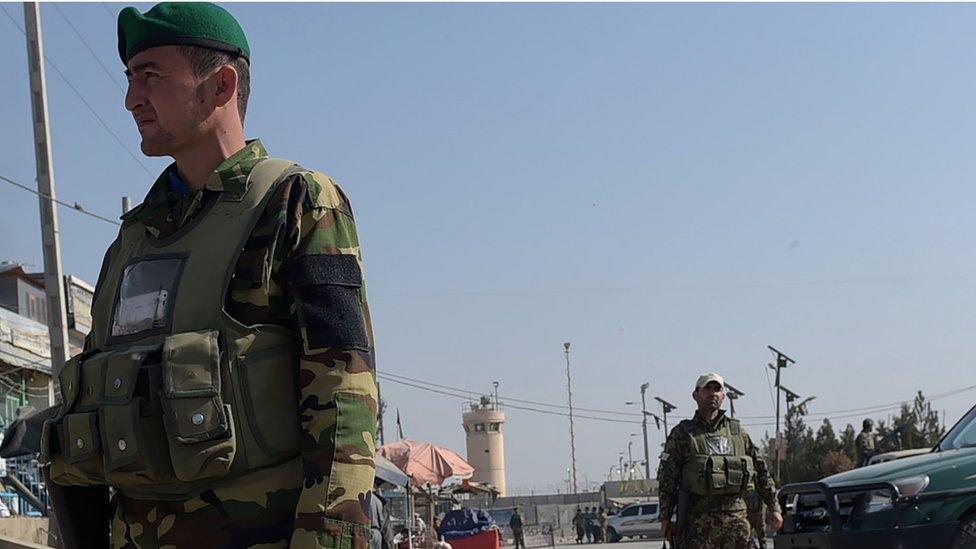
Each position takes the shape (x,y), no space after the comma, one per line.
(480,427)
(495,427)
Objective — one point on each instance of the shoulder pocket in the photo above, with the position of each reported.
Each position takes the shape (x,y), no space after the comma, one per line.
(328,288)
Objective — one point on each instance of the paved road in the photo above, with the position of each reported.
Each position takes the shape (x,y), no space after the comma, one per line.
(622,544)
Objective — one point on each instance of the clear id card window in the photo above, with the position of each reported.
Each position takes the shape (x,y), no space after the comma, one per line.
(146,296)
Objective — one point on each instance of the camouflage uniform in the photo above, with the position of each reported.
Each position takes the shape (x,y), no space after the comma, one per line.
(866,447)
(718,522)
(757,517)
(321,498)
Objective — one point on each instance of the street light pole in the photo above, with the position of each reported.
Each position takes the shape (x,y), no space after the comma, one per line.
(647,457)
(782,361)
(666,407)
(733,394)
(572,435)
(630,456)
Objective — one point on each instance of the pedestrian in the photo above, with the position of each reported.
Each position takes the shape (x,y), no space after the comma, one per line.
(515,523)
(590,522)
(380,527)
(708,464)
(230,332)
(602,520)
(865,443)
(579,522)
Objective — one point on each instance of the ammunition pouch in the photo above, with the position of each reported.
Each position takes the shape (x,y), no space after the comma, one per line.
(156,421)
(710,475)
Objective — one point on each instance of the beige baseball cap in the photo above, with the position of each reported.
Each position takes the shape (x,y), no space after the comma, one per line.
(711,376)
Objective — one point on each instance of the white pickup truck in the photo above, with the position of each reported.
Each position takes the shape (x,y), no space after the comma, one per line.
(637,519)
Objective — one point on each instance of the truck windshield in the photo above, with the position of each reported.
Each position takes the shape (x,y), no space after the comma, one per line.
(962,435)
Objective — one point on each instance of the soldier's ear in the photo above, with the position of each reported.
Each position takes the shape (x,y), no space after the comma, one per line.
(226,85)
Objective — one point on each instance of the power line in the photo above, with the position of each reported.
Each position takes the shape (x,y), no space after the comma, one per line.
(108,11)
(90,50)
(523,401)
(83,100)
(507,405)
(465,394)
(76,206)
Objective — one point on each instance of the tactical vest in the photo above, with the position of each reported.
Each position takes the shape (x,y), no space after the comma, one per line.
(174,395)
(718,464)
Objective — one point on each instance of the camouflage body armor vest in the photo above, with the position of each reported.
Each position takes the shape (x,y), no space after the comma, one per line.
(718,464)
(174,395)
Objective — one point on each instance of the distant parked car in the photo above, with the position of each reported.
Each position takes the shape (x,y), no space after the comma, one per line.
(637,519)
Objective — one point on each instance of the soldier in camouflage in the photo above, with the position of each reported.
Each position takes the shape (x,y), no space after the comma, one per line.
(865,443)
(712,459)
(295,276)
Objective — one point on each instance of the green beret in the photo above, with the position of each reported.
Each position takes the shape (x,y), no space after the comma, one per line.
(180,23)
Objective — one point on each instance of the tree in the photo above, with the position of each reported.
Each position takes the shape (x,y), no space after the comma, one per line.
(836,462)
(800,464)
(823,444)
(916,426)
(847,443)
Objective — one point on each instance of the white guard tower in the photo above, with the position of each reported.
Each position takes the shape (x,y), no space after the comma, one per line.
(483,429)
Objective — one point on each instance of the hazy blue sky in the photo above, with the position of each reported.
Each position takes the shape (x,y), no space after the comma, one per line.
(669,187)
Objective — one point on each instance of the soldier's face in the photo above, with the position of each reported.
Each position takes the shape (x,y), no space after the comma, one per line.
(166,100)
(710,397)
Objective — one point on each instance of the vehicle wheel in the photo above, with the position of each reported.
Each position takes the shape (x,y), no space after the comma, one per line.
(966,536)
(612,535)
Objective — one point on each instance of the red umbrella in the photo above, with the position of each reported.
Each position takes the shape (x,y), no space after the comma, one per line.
(426,463)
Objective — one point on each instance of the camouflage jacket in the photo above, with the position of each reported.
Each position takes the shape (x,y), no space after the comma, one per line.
(307,220)
(677,450)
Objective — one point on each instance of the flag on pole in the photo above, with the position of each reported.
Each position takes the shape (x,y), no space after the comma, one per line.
(399,425)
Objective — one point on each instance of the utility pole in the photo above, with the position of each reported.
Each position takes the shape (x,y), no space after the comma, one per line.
(57,318)
(572,434)
(666,407)
(380,408)
(782,361)
(647,457)
(630,457)
(733,395)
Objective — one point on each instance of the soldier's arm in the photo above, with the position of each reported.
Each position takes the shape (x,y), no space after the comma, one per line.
(337,400)
(669,471)
(764,482)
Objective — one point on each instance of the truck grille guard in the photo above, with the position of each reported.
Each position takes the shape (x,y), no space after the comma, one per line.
(793,519)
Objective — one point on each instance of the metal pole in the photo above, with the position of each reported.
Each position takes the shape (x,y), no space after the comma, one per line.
(647,459)
(57,318)
(630,456)
(381,407)
(572,434)
(779,442)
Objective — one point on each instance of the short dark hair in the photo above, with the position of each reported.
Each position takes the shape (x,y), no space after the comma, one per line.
(203,61)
